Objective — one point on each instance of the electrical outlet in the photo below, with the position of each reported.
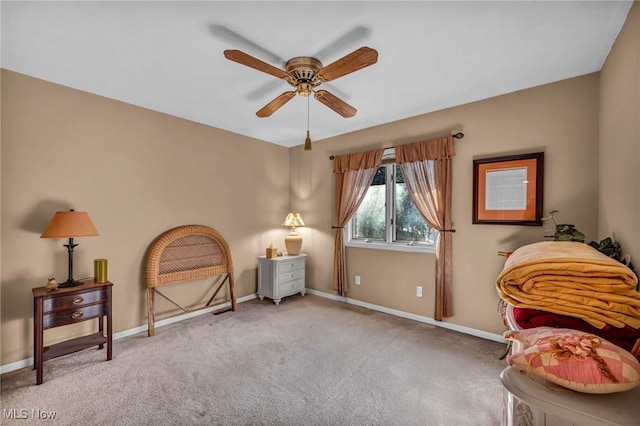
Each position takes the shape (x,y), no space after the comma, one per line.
(357,279)
(419,291)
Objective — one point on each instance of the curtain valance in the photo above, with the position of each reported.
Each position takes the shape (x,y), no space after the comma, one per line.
(435,149)
(358,161)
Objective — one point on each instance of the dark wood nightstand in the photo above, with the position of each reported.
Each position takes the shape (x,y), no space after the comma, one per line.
(66,306)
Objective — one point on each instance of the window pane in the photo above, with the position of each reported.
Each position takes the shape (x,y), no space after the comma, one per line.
(368,222)
(409,224)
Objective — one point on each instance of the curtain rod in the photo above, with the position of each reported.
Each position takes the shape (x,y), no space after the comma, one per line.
(458,135)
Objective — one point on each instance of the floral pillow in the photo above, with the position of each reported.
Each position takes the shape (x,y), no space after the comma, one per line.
(574,359)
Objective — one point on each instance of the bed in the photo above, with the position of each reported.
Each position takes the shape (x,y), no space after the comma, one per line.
(188,253)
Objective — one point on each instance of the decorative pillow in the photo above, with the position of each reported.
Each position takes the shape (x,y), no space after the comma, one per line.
(574,359)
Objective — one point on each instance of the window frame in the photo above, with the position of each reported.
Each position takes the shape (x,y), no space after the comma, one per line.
(388,161)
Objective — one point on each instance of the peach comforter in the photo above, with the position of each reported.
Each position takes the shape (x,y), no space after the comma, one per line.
(572,279)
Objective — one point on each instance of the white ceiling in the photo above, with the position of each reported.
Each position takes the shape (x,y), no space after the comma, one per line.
(168,56)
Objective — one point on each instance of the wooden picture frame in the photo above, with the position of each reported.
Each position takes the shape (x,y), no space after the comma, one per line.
(508,190)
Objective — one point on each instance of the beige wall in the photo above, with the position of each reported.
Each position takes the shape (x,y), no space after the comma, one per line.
(560,119)
(619,207)
(137,173)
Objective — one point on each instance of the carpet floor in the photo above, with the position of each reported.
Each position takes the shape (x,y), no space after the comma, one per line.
(308,361)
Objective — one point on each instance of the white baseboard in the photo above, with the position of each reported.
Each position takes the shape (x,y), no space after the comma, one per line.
(419,318)
(130,332)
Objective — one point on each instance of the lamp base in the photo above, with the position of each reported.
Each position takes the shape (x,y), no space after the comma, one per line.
(69,283)
(293,243)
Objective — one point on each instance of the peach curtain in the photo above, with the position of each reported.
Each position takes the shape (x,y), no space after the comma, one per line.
(354,174)
(426,167)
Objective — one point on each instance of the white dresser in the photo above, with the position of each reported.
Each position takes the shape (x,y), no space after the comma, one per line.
(281,276)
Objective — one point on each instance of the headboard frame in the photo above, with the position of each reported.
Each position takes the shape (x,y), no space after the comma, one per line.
(187,253)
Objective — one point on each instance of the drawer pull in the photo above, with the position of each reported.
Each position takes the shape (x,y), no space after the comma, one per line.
(77,314)
(77,300)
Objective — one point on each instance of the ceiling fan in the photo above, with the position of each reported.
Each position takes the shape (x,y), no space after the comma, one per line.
(305,74)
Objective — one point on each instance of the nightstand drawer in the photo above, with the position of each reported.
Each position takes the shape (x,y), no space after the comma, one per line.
(290,275)
(291,265)
(291,287)
(70,316)
(74,300)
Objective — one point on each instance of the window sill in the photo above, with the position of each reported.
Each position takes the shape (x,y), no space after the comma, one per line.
(392,247)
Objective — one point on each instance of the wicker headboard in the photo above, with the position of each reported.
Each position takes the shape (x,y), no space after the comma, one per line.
(187,253)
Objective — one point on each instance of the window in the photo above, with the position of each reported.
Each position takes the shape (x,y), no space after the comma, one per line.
(388,218)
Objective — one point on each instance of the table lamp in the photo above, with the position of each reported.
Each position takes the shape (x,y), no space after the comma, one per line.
(293,241)
(70,224)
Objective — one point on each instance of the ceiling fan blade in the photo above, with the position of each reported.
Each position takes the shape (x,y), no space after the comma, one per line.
(275,104)
(264,90)
(356,35)
(248,60)
(229,36)
(335,103)
(354,61)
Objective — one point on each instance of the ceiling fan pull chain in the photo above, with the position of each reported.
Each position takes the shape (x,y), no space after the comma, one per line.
(307,141)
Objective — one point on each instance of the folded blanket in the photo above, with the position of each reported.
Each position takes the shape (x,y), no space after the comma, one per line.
(572,279)
(625,337)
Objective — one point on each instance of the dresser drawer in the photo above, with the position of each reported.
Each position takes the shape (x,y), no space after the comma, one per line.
(74,300)
(71,316)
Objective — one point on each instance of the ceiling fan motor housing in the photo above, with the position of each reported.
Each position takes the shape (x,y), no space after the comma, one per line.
(303,71)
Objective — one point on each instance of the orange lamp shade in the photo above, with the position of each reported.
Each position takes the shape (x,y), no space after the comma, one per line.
(70,224)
